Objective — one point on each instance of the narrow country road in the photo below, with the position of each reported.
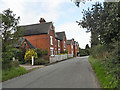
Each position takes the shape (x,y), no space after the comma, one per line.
(72,73)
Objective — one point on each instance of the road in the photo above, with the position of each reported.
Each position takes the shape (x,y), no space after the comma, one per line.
(72,73)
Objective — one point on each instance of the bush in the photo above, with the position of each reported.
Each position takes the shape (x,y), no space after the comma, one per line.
(29,53)
(6,64)
(40,61)
(39,52)
(45,52)
(15,63)
(100,52)
(83,52)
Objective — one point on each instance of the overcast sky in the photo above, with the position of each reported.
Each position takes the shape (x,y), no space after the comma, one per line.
(63,13)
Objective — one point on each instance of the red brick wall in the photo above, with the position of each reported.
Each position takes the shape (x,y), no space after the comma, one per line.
(51,33)
(62,44)
(69,48)
(39,41)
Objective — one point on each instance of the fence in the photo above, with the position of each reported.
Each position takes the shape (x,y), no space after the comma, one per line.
(60,57)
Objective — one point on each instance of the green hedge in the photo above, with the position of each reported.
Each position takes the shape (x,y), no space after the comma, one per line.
(106,79)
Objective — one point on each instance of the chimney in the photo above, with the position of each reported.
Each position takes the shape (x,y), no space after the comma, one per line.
(42,20)
(72,39)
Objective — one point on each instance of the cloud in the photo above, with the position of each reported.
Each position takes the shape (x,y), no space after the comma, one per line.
(47,9)
(72,30)
(30,12)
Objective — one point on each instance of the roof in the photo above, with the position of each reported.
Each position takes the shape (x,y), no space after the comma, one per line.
(36,29)
(21,40)
(69,42)
(60,35)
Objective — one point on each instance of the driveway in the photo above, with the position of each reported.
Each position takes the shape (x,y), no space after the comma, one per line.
(72,73)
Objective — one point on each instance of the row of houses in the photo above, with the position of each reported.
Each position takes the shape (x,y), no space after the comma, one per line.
(43,36)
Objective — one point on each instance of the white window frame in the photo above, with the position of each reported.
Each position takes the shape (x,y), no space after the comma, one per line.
(58,51)
(71,46)
(51,40)
(52,49)
(58,43)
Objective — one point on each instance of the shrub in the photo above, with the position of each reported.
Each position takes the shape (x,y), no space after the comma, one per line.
(29,53)
(45,52)
(40,61)
(100,52)
(15,63)
(39,52)
(6,64)
(83,52)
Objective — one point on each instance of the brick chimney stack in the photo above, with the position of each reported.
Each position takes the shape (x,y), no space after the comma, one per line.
(42,20)
(72,39)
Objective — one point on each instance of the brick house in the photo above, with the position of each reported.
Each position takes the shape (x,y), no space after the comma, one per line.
(76,48)
(41,35)
(61,39)
(70,46)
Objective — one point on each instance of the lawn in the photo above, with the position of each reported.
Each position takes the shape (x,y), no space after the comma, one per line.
(13,72)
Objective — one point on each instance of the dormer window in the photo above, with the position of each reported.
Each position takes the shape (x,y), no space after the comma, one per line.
(51,40)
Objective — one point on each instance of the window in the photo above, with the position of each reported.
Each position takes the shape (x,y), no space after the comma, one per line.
(51,50)
(71,46)
(51,40)
(58,51)
(64,44)
(72,52)
(58,43)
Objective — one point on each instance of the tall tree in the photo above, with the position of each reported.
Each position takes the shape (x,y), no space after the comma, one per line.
(8,28)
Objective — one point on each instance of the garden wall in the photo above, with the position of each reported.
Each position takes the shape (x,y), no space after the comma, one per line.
(59,57)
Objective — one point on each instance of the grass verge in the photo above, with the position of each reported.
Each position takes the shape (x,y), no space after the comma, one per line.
(13,72)
(102,73)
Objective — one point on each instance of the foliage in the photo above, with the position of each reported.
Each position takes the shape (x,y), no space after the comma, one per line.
(15,63)
(64,52)
(107,79)
(29,53)
(100,52)
(104,26)
(12,72)
(105,37)
(87,48)
(83,52)
(8,28)
(39,52)
(8,55)
(45,52)
(41,61)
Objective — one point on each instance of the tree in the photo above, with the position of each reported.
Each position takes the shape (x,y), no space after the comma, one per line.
(8,28)
(87,46)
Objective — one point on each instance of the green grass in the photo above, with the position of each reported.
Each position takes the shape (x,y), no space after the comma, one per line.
(102,73)
(13,72)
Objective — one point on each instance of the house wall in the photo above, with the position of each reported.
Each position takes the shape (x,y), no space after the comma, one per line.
(62,44)
(39,41)
(69,48)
